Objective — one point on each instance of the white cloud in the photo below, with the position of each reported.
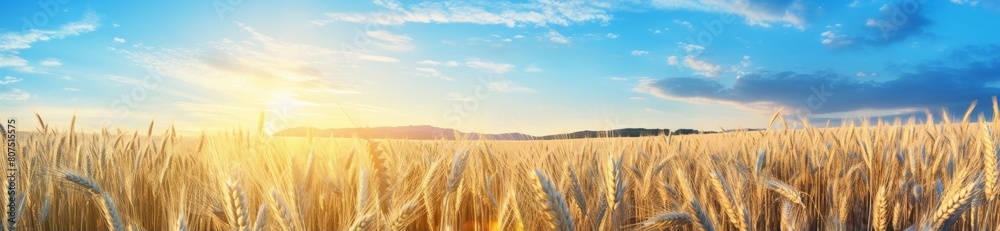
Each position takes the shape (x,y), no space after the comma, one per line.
(639,52)
(653,110)
(636,98)
(9,80)
(963,2)
(20,41)
(51,62)
(436,63)
(672,60)
(15,94)
(12,61)
(71,89)
(431,72)
(124,80)
(378,58)
(684,23)
(115,25)
(790,13)
(492,67)
(12,42)
(691,48)
(612,35)
(390,41)
(533,69)
(832,39)
(619,78)
(556,37)
(519,36)
(704,68)
(543,13)
(119,40)
(507,86)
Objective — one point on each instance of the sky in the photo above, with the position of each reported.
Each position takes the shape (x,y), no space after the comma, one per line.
(532,66)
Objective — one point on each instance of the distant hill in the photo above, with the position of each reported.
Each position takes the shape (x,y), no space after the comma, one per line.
(426,132)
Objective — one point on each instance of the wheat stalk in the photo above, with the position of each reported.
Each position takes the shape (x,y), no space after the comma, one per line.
(581,200)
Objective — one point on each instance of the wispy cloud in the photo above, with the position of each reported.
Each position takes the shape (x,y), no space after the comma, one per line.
(9,80)
(556,37)
(533,69)
(15,94)
(437,63)
(538,13)
(378,58)
(431,72)
(51,62)
(639,52)
(19,41)
(124,80)
(119,40)
(507,86)
(389,41)
(498,68)
(672,60)
(792,13)
(12,42)
(702,67)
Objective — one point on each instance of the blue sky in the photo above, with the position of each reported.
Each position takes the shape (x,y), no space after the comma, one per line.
(536,66)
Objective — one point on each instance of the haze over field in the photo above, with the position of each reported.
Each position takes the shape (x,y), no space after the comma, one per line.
(537,67)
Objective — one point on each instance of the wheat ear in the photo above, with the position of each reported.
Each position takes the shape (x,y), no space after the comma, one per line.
(723,192)
(953,205)
(880,210)
(990,165)
(552,202)
(236,206)
(785,191)
(405,215)
(666,220)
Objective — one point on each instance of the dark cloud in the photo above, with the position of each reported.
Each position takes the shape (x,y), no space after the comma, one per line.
(974,75)
(896,22)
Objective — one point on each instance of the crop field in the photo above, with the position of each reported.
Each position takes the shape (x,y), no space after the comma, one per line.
(896,175)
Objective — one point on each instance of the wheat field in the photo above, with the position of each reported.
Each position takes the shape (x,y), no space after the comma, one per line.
(898,175)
